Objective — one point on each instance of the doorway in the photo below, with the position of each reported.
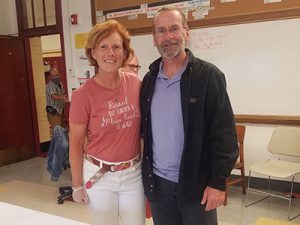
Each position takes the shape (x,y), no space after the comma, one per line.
(35,19)
(45,53)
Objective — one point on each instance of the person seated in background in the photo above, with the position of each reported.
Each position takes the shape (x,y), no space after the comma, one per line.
(58,152)
(132,66)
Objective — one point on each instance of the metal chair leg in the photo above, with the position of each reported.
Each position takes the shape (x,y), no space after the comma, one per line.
(290,201)
(256,191)
(248,186)
(269,194)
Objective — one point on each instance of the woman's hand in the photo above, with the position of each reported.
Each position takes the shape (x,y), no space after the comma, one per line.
(80,196)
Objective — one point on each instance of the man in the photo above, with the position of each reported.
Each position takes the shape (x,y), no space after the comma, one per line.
(190,143)
(132,66)
(56,100)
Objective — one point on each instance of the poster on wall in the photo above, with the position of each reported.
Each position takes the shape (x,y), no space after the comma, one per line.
(83,70)
(81,58)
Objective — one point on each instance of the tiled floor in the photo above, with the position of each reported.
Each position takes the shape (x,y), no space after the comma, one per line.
(28,184)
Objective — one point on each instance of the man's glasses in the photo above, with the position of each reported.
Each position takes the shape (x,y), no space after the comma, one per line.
(134,67)
(162,31)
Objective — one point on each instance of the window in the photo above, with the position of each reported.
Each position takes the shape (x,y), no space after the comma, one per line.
(39,17)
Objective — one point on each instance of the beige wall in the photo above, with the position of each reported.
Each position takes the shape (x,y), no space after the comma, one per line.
(39,88)
(83,10)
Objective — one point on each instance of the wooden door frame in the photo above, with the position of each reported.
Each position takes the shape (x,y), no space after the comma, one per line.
(35,125)
(27,35)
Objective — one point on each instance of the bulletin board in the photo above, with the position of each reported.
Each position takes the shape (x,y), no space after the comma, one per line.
(137,15)
(260,60)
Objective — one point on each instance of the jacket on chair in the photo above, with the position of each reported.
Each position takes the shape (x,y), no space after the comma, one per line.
(58,153)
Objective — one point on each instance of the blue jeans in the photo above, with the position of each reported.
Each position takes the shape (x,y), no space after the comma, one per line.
(58,153)
(165,210)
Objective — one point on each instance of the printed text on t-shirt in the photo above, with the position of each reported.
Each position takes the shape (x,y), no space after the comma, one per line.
(119,113)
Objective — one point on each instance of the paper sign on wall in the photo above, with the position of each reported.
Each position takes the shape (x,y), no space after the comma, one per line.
(80,40)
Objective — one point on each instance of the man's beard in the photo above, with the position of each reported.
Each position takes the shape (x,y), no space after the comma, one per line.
(171,50)
(56,80)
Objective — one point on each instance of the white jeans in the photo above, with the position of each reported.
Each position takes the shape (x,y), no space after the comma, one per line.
(117,198)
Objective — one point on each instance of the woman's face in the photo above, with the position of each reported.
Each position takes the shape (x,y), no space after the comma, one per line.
(110,54)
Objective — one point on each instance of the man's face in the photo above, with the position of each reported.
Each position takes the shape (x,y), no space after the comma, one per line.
(133,66)
(55,76)
(169,34)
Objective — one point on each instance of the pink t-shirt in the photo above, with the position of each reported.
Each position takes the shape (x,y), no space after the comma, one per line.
(112,117)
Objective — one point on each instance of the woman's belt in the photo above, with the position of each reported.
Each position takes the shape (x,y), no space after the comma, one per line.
(105,167)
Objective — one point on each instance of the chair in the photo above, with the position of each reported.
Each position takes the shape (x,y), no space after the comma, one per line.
(58,159)
(239,165)
(65,192)
(285,141)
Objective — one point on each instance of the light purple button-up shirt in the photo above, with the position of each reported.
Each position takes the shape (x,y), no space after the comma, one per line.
(167,126)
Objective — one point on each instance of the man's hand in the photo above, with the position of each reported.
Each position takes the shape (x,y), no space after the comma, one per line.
(66,98)
(213,198)
(80,196)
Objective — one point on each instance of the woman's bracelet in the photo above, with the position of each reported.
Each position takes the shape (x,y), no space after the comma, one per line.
(77,188)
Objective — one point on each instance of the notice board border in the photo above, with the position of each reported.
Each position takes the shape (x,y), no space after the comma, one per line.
(273,11)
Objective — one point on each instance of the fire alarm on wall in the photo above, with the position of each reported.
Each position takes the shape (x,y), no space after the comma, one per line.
(74,19)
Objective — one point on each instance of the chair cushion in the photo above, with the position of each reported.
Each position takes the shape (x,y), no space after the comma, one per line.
(276,168)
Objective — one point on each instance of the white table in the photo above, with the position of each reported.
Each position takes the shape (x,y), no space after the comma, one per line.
(16,215)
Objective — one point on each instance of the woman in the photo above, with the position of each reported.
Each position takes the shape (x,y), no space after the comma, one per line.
(104,132)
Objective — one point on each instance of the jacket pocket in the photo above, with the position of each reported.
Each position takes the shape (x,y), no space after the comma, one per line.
(196,112)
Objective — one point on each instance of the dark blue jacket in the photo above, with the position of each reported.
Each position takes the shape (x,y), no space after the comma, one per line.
(210,142)
(58,152)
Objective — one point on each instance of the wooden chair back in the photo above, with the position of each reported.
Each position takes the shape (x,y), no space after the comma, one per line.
(239,165)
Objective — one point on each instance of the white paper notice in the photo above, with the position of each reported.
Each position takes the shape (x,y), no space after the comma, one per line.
(224,1)
(271,1)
